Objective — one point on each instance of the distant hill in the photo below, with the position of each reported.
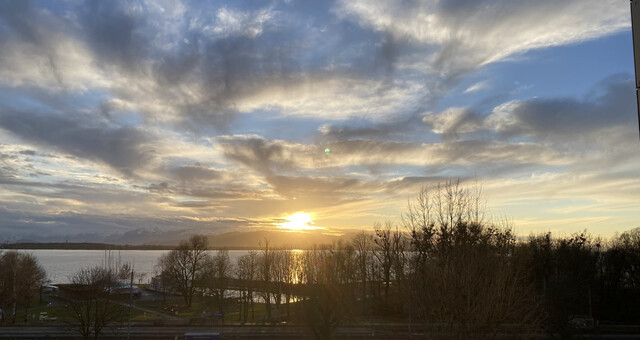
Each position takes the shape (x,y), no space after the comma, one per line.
(231,240)
(277,239)
(82,246)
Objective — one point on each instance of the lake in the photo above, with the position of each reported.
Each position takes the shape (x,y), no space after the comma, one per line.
(61,264)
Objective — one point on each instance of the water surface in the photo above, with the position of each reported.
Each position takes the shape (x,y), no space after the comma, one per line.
(61,264)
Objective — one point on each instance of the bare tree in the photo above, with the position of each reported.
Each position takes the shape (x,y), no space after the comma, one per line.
(384,254)
(246,270)
(266,262)
(279,274)
(218,271)
(363,245)
(400,260)
(330,300)
(184,267)
(91,306)
(293,276)
(464,274)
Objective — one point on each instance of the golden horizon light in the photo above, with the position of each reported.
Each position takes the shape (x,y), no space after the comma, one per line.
(299,221)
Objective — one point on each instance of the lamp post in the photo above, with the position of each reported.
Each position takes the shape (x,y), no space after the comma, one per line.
(635,29)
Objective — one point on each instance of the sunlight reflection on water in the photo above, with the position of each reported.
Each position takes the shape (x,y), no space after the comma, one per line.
(60,264)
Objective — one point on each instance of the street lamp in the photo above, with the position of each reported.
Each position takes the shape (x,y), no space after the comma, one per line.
(635,28)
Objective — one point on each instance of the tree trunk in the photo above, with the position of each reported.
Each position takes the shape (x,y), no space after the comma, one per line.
(268,305)
(288,305)
(253,310)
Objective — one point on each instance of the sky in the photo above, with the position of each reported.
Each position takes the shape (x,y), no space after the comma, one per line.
(121,118)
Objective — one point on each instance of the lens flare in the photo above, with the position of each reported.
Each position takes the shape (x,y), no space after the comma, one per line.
(299,221)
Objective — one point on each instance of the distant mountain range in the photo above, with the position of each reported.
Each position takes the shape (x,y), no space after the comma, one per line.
(294,240)
(142,239)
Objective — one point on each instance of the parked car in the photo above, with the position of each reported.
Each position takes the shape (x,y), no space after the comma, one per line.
(50,288)
(581,322)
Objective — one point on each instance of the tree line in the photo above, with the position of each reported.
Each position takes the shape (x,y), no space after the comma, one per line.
(443,266)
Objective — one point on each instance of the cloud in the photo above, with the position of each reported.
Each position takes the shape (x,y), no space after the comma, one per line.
(269,157)
(559,121)
(112,32)
(124,149)
(199,68)
(378,130)
(148,109)
(452,122)
(262,155)
(612,103)
(467,34)
(479,86)
(74,227)
(196,173)
(316,187)
(232,22)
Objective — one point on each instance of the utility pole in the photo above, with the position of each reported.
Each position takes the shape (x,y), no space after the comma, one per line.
(130,302)
(635,29)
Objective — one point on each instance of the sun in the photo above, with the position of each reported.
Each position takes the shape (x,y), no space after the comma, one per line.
(298,221)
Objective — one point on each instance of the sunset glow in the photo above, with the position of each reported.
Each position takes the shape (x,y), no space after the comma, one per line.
(156,119)
(299,221)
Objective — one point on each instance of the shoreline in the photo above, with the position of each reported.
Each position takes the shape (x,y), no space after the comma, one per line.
(108,246)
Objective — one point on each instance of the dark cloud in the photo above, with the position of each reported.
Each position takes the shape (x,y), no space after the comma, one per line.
(56,194)
(160,188)
(125,149)
(111,32)
(612,103)
(346,132)
(223,194)
(196,173)
(194,204)
(27,152)
(257,153)
(378,131)
(490,151)
(316,188)
(175,68)
(117,228)
(18,16)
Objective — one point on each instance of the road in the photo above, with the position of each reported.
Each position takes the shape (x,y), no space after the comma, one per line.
(227,332)
(397,331)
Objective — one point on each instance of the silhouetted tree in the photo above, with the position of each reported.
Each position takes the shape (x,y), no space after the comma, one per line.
(281,273)
(91,306)
(363,245)
(464,275)
(570,285)
(266,262)
(218,271)
(21,276)
(183,267)
(330,301)
(619,272)
(384,254)
(247,269)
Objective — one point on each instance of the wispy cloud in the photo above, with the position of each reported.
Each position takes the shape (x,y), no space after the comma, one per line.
(203,116)
(479,86)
